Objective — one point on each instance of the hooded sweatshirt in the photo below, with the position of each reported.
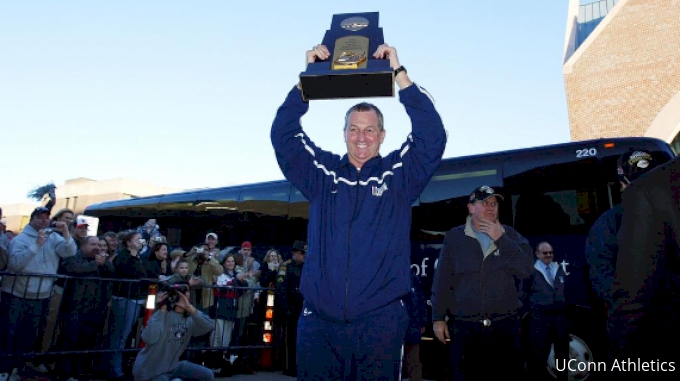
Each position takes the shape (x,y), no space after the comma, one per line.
(167,337)
(28,258)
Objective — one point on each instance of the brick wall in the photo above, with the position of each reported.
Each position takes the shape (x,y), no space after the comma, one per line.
(617,84)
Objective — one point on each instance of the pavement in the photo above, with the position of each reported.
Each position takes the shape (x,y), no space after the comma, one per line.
(259,376)
(264,376)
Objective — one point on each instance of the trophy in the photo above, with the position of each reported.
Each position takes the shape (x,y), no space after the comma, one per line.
(350,71)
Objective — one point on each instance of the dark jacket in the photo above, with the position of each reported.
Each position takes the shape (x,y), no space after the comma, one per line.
(601,251)
(417,310)
(288,294)
(85,296)
(469,286)
(359,221)
(539,295)
(267,276)
(153,267)
(129,267)
(646,292)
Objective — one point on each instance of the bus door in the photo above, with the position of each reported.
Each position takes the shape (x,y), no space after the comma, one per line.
(555,196)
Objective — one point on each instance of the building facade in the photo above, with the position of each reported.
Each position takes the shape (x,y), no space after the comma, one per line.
(622,69)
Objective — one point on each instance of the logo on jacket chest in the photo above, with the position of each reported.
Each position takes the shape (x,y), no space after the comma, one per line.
(564,265)
(378,190)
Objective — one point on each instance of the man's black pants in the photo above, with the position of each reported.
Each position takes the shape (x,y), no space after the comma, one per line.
(484,348)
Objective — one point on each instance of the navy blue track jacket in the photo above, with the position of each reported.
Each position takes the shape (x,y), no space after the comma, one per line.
(358,256)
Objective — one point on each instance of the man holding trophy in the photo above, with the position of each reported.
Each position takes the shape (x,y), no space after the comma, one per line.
(357,269)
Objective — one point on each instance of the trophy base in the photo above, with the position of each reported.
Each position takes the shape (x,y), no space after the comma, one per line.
(336,84)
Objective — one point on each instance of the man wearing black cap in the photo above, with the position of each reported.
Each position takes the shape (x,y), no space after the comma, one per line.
(475,299)
(25,299)
(601,247)
(290,299)
(646,291)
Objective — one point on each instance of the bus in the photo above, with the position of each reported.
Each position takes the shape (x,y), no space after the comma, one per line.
(552,193)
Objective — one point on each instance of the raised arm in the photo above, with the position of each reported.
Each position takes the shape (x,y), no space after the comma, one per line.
(424,147)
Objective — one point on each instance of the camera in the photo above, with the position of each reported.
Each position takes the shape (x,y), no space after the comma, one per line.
(48,230)
(158,239)
(199,250)
(173,291)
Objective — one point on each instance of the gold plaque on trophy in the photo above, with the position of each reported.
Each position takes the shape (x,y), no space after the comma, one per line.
(350,52)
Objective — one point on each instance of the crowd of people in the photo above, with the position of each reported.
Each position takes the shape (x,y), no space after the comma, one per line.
(65,294)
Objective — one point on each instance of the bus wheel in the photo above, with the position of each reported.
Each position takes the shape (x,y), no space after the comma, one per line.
(580,353)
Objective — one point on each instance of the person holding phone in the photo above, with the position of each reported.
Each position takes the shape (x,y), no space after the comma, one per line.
(25,299)
(204,266)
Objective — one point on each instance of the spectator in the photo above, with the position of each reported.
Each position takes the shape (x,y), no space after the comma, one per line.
(226,308)
(25,299)
(128,300)
(158,265)
(167,337)
(83,308)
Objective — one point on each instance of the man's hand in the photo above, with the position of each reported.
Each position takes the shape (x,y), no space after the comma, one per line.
(317,52)
(492,229)
(441,330)
(42,237)
(185,303)
(62,227)
(194,281)
(160,297)
(320,52)
(389,52)
(100,259)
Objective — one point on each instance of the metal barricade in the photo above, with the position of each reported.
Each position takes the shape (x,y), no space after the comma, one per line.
(86,313)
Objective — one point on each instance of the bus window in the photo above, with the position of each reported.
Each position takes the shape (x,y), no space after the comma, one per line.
(557,199)
(269,199)
(299,206)
(298,215)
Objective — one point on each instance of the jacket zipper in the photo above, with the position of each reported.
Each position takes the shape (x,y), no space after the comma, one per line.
(356,201)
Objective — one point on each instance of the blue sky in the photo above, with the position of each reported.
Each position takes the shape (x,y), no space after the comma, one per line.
(182,94)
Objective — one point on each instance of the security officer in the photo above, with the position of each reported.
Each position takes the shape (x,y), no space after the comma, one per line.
(290,300)
(601,250)
(474,288)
